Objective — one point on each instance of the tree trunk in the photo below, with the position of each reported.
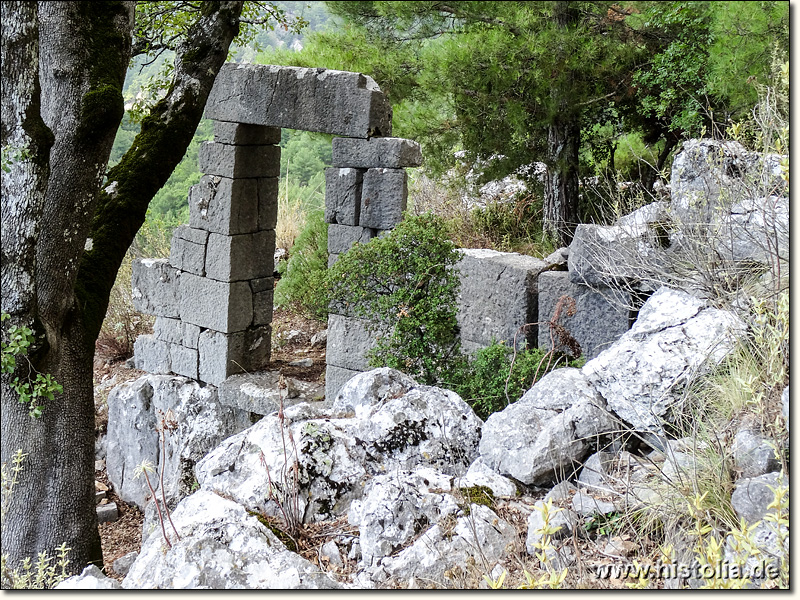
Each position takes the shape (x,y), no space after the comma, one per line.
(561,183)
(563,143)
(82,238)
(82,70)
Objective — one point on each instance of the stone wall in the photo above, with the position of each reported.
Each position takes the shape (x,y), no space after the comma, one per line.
(213,297)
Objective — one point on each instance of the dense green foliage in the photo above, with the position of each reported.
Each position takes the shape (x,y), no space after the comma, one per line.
(495,78)
(494,377)
(404,284)
(304,277)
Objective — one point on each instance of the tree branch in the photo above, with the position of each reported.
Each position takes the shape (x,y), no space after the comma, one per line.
(165,134)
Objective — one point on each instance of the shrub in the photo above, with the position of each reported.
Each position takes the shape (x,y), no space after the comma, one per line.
(303,279)
(404,284)
(489,381)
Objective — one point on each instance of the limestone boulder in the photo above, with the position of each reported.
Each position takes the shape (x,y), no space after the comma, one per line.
(396,508)
(193,422)
(752,496)
(753,454)
(91,578)
(221,546)
(477,541)
(396,426)
(709,175)
(539,439)
(675,338)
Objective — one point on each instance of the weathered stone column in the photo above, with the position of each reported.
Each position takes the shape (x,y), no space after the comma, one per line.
(213,298)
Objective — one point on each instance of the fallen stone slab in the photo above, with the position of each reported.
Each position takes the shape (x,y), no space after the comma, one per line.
(322,100)
(376,152)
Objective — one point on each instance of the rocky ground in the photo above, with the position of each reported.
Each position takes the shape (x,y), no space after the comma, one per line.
(291,342)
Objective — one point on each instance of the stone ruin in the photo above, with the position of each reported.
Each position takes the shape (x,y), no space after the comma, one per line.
(213,298)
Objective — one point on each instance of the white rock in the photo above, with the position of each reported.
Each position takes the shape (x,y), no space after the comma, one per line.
(221,547)
(674,339)
(481,538)
(535,444)
(396,507)
(91,578)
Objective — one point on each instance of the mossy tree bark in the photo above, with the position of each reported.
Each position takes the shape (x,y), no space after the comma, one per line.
(70,235)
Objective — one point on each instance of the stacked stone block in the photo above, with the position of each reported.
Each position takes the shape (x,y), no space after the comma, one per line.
(498,296)
(602,314)
(213,297)
(366,191)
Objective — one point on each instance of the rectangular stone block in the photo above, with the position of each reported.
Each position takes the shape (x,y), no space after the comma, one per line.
(240,134)
(263,296)
(210,304)
(349,341)
(168,330)
(226,160)
(335,378)
(155,287)
(343,196)
(498,296)
(267,203)
(175,331)
(332,258)
(327,101)
(601,316)
(223,355)
(151,355)
(342,237)
(188,249)
(383,198)
(224,205)
(184,361)
(240,257)
(385,152)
